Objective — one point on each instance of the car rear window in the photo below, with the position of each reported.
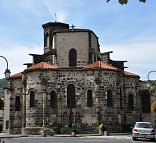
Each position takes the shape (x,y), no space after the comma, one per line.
(143,125)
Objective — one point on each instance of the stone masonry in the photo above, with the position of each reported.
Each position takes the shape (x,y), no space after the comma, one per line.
(72,83)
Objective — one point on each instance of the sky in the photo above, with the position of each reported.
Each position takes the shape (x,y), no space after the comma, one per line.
(127,30)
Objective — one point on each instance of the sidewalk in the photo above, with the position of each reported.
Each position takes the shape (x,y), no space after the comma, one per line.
(96,135)
(4,135)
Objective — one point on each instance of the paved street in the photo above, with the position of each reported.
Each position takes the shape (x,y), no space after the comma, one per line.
(65,139)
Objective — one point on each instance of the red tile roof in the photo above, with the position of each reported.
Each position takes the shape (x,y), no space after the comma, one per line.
(103,65)
(130,74)
(98,64)
(41,65)
(18,75)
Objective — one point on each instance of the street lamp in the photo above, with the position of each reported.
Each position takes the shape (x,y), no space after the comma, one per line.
(7,76)
(148,82)
(149,85)
(7,71)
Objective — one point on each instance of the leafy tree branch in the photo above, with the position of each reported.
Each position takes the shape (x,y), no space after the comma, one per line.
(126,1)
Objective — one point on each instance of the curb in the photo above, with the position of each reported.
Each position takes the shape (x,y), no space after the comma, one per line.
(62,135)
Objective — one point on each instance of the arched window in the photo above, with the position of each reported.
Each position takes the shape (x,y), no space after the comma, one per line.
(130,102)
(72,58)
(89,98)
(32,99)
(71,96)
(17,103)
(109,98)
(53,99)
(145,101)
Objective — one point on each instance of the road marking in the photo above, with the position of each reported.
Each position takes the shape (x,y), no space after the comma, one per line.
(92,141)
(109,137)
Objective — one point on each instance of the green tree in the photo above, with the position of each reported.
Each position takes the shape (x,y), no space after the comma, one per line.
(126,1)
(3,83)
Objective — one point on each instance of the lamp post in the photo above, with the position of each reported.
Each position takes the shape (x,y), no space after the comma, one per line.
(107,115)
(7,71)
(148,76)
(149,85)
(7,76)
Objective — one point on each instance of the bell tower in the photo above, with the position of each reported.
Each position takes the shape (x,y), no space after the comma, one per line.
(49,29)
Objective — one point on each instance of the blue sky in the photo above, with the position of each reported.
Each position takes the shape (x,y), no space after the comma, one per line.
(127,30)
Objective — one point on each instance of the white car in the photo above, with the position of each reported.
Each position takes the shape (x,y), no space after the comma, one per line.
(143,130)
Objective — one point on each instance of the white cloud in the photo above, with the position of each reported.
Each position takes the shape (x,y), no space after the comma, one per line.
(113,23)
(58,8)
(140,56)
(17,56)
(136,51)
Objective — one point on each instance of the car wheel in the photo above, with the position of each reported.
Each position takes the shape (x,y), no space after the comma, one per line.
(153,140)
(134,138)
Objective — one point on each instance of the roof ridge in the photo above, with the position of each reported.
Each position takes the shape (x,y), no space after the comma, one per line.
(17,75)
(130,74)
(41,65)
(101,64)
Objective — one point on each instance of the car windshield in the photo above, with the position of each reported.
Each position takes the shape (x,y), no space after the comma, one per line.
(143,125)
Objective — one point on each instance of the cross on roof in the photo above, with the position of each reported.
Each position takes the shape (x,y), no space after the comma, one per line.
(55,18)
(72,26)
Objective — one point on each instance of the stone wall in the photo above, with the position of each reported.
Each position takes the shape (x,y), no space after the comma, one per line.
(58,80)
(15,115)
(76,40)
(42,82)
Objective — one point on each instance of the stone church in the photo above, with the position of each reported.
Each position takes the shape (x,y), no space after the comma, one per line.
(73,84)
